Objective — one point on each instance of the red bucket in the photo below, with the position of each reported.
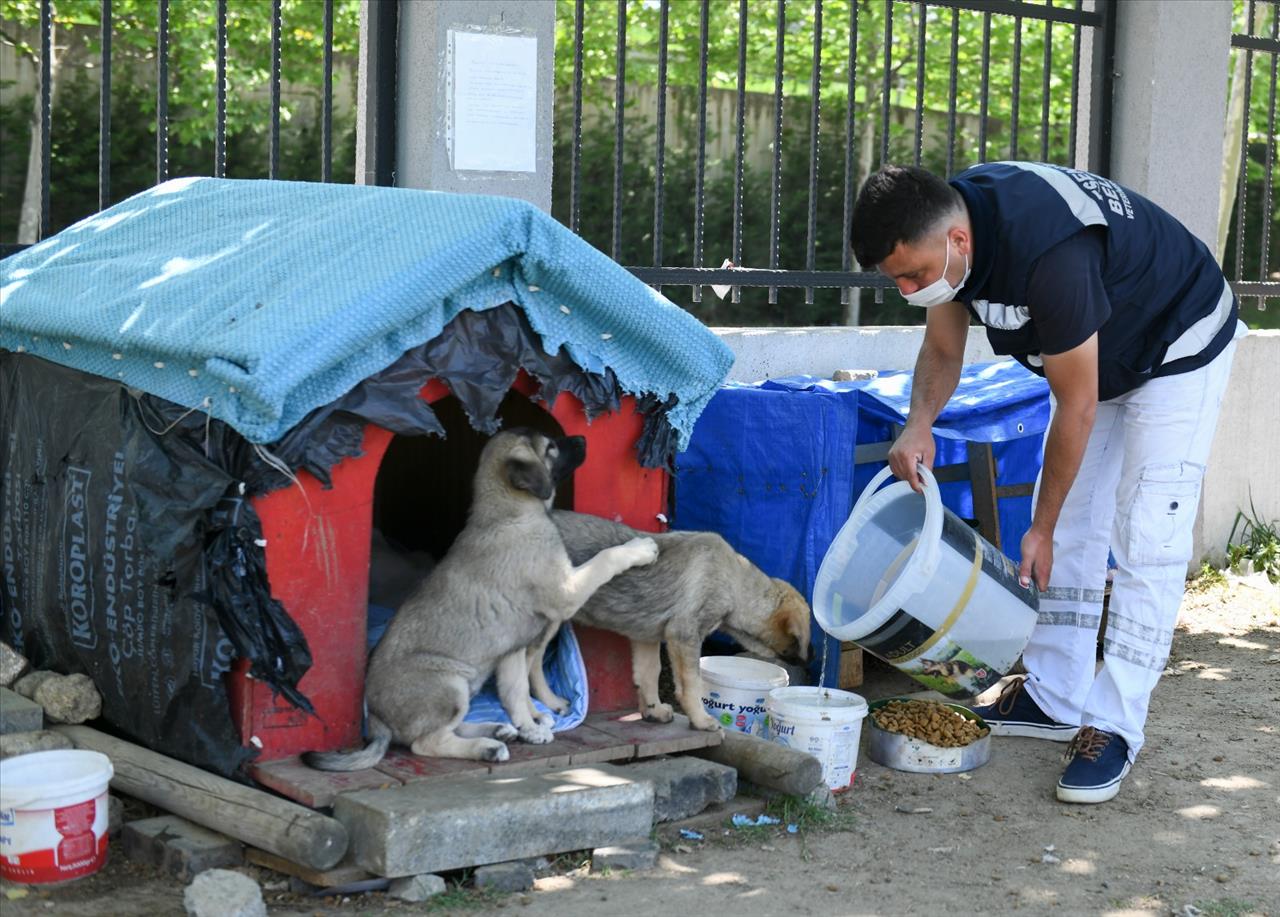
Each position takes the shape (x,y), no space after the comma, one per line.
(53,815)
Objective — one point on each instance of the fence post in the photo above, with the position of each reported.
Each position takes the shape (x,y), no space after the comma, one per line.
(1171,106)
(376,95)
(1169,117)
(429,81)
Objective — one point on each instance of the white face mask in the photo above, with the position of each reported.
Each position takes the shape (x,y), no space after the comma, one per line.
(938,292)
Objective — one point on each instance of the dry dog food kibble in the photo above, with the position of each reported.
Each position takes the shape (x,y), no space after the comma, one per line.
(929,720)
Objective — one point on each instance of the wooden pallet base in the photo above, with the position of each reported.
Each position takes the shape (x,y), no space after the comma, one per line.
(616,737)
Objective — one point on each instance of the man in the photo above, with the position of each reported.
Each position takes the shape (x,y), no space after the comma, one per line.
(1132,323)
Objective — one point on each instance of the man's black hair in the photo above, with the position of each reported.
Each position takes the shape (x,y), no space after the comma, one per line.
(897,204)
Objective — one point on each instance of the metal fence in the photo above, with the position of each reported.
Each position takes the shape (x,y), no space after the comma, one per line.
(1253,279)
(1024,134)
(108,32)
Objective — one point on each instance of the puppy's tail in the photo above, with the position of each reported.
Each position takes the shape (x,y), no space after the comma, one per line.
(371,754)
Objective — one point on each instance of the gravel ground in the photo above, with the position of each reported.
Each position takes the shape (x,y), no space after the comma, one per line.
(1196,828)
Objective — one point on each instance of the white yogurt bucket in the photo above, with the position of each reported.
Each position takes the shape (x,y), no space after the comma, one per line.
(734,690)
(823,722)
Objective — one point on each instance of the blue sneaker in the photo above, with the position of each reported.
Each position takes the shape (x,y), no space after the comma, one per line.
(1098,764)
(1014,713)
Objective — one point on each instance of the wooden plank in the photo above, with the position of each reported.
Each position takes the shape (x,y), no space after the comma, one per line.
(410,768)
(850,668)
(255,817)
(582,745)
(344,873)
(315,788)
(982,478)
(652,739)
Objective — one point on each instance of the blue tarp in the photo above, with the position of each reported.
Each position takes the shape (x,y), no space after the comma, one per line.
(259,301)
(770,466)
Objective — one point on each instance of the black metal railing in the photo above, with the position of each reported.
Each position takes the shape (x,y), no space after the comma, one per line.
(1253,278)
(108,28)
(1052,26)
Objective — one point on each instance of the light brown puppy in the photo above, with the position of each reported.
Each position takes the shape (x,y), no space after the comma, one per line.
(698,584)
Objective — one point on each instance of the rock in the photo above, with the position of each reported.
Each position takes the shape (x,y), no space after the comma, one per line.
(417,888)
(223,893)
(516,876)
(18,714)
(637,855)
(115,816)
(69,698)
(823,798)
(27,684)
(684,786)
(179,847)
(22,743)
(12,665)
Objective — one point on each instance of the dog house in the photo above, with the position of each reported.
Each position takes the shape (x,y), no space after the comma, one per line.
(211,392)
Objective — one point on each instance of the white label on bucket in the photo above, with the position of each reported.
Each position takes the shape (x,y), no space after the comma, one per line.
(933,757)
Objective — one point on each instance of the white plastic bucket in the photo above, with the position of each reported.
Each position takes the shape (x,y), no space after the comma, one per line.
(53,815)
(734,690)
(824,722)
(912,583)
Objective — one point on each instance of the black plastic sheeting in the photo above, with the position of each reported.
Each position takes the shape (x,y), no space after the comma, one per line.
(131,551)
(478,355)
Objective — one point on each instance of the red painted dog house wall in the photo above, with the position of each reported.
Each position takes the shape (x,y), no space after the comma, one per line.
(318,545)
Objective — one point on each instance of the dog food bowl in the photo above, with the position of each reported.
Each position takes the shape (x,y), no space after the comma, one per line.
(903,753)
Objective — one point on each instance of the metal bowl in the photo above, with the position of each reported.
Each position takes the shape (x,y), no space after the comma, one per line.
(903,753)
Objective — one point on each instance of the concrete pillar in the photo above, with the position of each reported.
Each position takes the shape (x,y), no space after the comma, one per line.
(1170,110)
(1171,105)
(422,95)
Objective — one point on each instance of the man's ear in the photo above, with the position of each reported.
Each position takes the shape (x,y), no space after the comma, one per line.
(531,477)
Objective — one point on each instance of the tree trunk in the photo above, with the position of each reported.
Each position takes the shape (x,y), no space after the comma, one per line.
(29,217)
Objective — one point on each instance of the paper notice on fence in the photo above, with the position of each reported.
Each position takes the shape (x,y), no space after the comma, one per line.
(494,104)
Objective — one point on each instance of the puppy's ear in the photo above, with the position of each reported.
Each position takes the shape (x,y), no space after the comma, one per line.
(531,477)
(793,617)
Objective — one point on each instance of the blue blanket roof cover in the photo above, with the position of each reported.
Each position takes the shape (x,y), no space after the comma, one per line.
(258,301)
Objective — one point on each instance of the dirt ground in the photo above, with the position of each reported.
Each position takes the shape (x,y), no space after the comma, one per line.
(1195,830)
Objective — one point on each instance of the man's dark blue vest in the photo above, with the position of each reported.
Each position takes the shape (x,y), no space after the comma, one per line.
(1159,278)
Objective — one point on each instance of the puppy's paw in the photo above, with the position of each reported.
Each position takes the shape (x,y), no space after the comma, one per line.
(705,723)
(643,551)
(495,751)
(557,704)
(658,713)
(537,734)
(505,733)
(545,719)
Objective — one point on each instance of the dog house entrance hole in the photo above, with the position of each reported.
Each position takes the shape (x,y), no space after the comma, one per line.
(423,491)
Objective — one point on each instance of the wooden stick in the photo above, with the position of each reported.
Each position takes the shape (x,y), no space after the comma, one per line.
(252,816)
(766,763)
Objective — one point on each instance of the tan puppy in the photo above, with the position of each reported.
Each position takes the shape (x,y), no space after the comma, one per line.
(698,584)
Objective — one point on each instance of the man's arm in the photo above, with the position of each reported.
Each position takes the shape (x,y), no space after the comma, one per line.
(1073,379)
(937,373)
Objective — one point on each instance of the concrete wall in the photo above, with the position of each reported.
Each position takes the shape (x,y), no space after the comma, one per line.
(767,353)
(1245,460)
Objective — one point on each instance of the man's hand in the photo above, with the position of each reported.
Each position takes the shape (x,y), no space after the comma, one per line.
(1037,558)
(913,446)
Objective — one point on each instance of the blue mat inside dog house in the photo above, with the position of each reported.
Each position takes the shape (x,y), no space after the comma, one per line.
(771,467)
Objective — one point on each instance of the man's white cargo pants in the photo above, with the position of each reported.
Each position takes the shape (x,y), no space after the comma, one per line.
(1136,492)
